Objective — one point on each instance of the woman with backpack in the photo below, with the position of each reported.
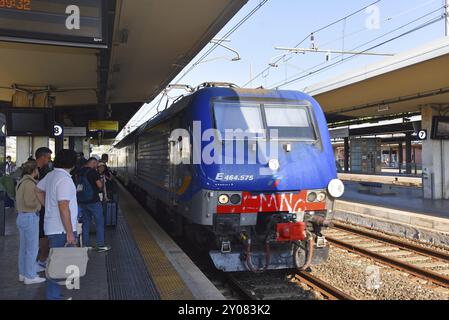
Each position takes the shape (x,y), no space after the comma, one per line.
(28,207)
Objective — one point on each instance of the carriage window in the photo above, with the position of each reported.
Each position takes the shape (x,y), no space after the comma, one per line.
(233,116)
(291,122)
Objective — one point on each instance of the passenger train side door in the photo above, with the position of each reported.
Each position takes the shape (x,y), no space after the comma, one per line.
(174,153)
(179,145)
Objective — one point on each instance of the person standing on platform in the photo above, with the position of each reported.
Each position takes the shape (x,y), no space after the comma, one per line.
(82,159)
(80,163)
(89,185)
(107,178)
(28,207)
(58,192)
(105,158)
(43,158)
(10,167)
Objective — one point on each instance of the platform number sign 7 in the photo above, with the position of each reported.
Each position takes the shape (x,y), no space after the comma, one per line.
(58,130)
(422,135)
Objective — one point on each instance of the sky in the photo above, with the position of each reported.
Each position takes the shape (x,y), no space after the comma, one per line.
(286,22)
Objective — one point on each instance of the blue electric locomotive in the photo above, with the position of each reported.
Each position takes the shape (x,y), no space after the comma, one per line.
(248,174)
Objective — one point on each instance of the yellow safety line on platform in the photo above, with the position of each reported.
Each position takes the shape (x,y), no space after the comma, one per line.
(166,279)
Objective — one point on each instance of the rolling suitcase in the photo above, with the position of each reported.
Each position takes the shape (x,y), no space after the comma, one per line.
(110,214)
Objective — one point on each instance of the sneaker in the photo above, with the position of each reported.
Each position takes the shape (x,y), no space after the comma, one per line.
(21,278)
(34,281)
(40,267)
(103,248)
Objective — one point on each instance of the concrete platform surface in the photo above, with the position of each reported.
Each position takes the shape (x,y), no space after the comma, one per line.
(119,274)
(404,214)
(408,199)
(144,264)
(167,263)
(393,179)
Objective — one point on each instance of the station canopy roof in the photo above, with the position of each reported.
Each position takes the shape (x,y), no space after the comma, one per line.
(397,85)
(150,42)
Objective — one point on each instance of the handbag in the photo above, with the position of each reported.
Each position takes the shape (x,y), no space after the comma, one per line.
(65,262)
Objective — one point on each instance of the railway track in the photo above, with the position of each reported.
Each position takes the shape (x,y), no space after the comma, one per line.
(283,285)
(418,260)
(272,285)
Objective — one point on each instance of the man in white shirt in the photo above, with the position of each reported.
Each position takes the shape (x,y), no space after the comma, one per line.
(58,193)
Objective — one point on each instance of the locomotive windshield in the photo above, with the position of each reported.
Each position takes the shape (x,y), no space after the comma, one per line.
(292,122)
(237,116)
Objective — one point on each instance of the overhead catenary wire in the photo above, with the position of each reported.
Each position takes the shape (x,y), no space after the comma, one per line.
(386,20)
(223,38)
(389,19)
(200,60)
(239,24)
(283,83)
(308,36)
(348,58)
(309,72)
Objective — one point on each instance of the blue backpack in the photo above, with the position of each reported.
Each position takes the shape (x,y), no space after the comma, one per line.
(84,189)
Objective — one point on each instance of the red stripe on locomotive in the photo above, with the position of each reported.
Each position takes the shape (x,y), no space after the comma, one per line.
(277,202)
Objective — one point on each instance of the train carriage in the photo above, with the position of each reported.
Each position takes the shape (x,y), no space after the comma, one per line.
(249,174)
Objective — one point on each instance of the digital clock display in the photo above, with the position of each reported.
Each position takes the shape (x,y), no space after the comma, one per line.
(68,21)
(16,4)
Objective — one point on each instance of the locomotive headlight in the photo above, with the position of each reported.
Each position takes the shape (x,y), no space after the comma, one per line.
(223,199)
(321,197)
(236,199)
(311,197)
(274,164)
(336,188)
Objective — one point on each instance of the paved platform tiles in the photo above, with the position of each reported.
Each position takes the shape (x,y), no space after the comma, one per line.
(398,180)
(144,264)
(408,199)
(404,213)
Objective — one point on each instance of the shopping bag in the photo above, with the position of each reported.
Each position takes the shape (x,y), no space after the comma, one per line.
(65,262)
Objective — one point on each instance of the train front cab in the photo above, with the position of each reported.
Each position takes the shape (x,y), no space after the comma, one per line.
(269,215)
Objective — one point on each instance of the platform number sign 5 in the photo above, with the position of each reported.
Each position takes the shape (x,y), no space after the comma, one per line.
(422,135)
(58,130)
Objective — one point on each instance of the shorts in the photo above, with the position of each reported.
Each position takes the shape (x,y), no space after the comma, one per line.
(41,224)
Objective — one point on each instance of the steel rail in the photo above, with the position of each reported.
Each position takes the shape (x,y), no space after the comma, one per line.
(322,287)
(327,290)
(396,242)
(429,275)
(236,286)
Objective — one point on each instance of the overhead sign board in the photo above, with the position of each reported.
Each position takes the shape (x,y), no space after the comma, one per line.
(69,22)
(111,126)
(339,133)
(440,128)
(75,132)
(422,135)
(58,129)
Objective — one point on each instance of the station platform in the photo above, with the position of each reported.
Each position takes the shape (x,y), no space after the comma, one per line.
(404,212)
(403,198)
(385,178)
(143,264)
